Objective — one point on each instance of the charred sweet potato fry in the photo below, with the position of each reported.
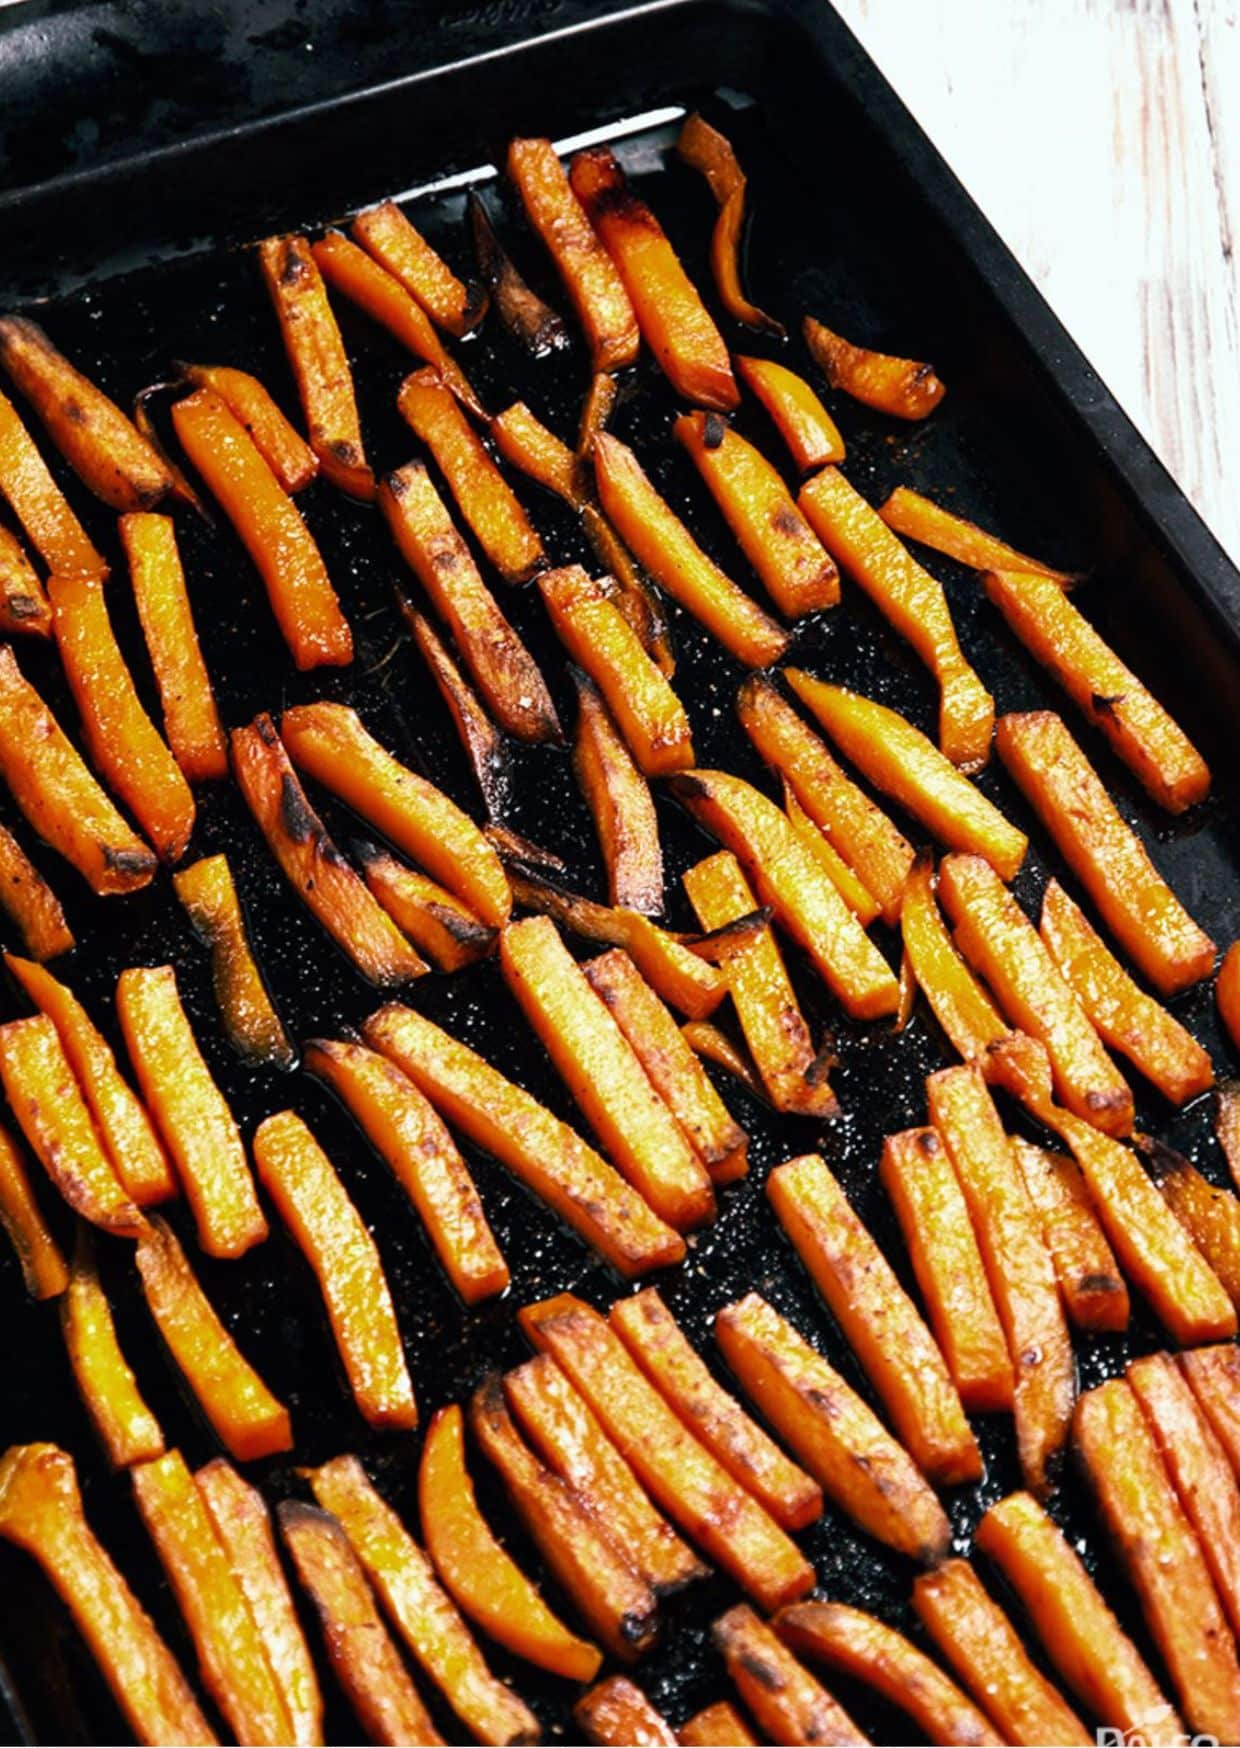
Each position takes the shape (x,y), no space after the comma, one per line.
(1227,992)
(128,1431)
(317,1209)
(674,321)
(959,1003)
(420,1610)
(23,602)
(525,443)
(1162,1556)
(245,1416)
(704,148)
(123,742)
(716,1726)
(620,803)
(44,1271)
(44,1097)
(921,519)
(789,1705)
(436,921)
(1018,1264)
(44,513)
(899,386)
(541,1151)
(404,1130)
(195,1124)
(863,1648)
(100,444)
(281,446)
(918,1175)
(362,1656)
(596,409)
(397,245)
(30,904)
(618,1713)
(270,527)
(318,361)
(877,1317)
(637,598)
(810,433)
(251,1023)
(1090,1284)
(520,309)
(1213,1374)
(59,796)
(1210,1216)
(664,546)
(679,1472)
(482,494)
(1103,851)
(856,895)
(481,741)
(41,1511)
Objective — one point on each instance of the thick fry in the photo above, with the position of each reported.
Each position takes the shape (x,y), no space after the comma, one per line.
(899,386)
(674,321)
(397,245)
(618,1713)
(1093,1290)
(44,513)
(704,148)
(317,1209)
(41,1511)
(1103,851)
(405,1131)
(100,444)
(1163,1558)
(363,1658)
(918,1175)
(318,361)
(251,1023)
(856,895)
(1209,1215)
(620,803)
(422,1613)
(525,443)
(44,1271)
(30,904)
(716,1726)
(1214,1375)
(58,795)
(541,1151)
(921,519)
(282,447)
(436,921)
(789,1705)
(680,1474)
(128,1431)
(519,308)
(810,433)
(191,720)
(270,527)
(664,547)
(195,1124)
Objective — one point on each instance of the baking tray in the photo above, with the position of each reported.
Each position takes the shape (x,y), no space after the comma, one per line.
(139,258)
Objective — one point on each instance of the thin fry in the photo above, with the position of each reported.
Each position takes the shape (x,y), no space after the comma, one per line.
(436,921)
(856,896)
(704,148)
(23,602)
(525,443)
(44,513)
(251,1023)
(389,235)
(481,741)
(520,310)
(930,524)
(637,599)
(959,1003)
(596,409)
(899,386)
(713,1045)
(620,803)
(128,1431)
(30,904)
(810,433)
(1093,1290)
(1209,1215)
(281,446)
(44,1271)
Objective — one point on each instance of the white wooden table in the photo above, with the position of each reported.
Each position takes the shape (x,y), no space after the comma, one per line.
(1102,139)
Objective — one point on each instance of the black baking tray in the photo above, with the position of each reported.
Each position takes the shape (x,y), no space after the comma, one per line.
(145,148)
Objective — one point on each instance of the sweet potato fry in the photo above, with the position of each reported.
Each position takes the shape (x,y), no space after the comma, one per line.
(673,1069)
(563,1429)
(44,1097)
(332,890)
(919,1177)
(59,796)
(789,1705)
(520,309)
(877,1317)
(598,637)
(899,386)
(863,1648)
(421,1611)
(251,1023)
(674,321)
(100,444)
(270,527)
(191,720)
(481,741)
(704,148)
(856,895)
(437,922)
(128,1431)
(281,446)
(317,1209)
(41,1511)
(810,433)
(482,494)
(243,1413)
(44,513)
(596,409)
(620,803)
(1163,1558)
(541,1151)
(362,1656)
(195,1124)
(1227,992)
(1209,1215)
(123,742)
(405,1131)
(958,1002)
(716,1726)
(1090,1284)
(231,1655)
(396,244)
(1214,1376)
(23,602)
(616,1712)
(526,443)
(921,519)
(637,598)
(30,904)
(1103,851)
(181,490)
(1001,944)
(679,1473)
(664,547)
(44,1271)
(318,361)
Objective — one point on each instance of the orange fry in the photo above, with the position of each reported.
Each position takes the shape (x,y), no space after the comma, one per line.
(525,443)
(620,803)
(1209,1215)
(481,741)
(704,148)
(44,513)
(1093,1290)
(30,904)
(281,446)
(618,1713)
(958,1002)
(811,434)
(23,602)
(899,386)
(716,1726)
(436,921)
(637,599)
(1227,992)
(398,246)
(921,519)
(849,886)
(128,1431)
(1214,1376)
(44,1272)
(789,1705)
(251,1023)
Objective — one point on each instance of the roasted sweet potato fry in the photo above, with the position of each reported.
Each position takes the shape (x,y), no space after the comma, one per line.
(41,1511)
(856,895)
(921,519)
(1227,992)
(44,513)
(318,361)
(520,309)
(481,741)
(317,1209)
(404,1129)
(270,527)
(195,1124)
(789,1705)
(23,602)
(100,444)
(674,321)
(421,1611)
(387,234)
(618,1713)
(716,1726)
(1090,1284)
(363,1658)
(637,599)
(664,547)
(1162,1555)
(810,433)
(899,386)
(958,1002)
(679,1472)
(596,409)
(705,149)
(525,443)
(59,796)
(128,1431)
(44,1271)
(1214,1376)
(620,803)
(541,1151)
(281,446)
(191,720)
(1209,1215)
(436,921)
(251,1023)
(30,904)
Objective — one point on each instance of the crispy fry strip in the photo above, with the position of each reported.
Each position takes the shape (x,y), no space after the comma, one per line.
(1214,1375)
(23,602)
(959,1003)
(856,895)
(1093,1290)
(921,519)
(387,234)
(281,446)
(1210,1216)
(620,803)
(637,599)
(481,741)
(618,1713)
(704,148)
(899,386)
(128,1431)
(520,309)
(788,1703)
(716,1726)
(810,433)
(44,1271)
(664,547)
(436,921)
(44,513)
(317,1209)
(525,443)
(251,1023)
(41,1511)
